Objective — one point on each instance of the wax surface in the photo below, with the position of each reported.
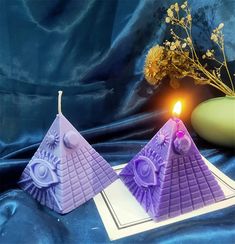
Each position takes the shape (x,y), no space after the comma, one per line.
(65,171)
(169,177)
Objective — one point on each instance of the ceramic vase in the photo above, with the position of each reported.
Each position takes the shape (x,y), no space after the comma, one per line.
(214,120)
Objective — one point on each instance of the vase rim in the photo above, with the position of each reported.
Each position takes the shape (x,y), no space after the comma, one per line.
(230,97)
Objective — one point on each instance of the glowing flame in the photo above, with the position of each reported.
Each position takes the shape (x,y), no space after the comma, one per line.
(177,108)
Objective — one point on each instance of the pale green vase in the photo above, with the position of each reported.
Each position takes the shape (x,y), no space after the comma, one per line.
(214,120)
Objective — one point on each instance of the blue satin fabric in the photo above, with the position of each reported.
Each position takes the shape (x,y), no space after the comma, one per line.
(94,51)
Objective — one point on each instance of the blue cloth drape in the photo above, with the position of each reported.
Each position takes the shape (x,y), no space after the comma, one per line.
(94,51)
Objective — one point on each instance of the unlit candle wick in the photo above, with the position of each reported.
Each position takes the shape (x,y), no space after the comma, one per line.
(59,101)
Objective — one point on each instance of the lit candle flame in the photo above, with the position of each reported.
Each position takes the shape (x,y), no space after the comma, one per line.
(177,109)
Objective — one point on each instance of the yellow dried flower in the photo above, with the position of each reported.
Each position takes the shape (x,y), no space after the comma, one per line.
(189,17)
(214,37)
(209,53)
(221,25)
(170,13)
(177,43)
(172,47)
(176,7)
(151,67)
(150,73)
(189,40)
(168,19)
(178,58)
(155,53)
(162,61)
(182,20)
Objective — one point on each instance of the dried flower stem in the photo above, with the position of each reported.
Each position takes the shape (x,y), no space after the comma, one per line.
(178,58)
(226,67)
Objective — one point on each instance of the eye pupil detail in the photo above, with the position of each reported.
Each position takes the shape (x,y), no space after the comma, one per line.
(42,170)
(42,173)
(160,139)
(144,172)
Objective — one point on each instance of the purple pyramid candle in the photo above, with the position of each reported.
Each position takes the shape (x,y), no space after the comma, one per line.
(168,177)
(65,171)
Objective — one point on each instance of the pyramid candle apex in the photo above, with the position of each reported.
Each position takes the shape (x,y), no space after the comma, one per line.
(168,177)
(65,171)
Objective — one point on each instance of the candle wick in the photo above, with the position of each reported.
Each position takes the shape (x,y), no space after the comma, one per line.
(59,101)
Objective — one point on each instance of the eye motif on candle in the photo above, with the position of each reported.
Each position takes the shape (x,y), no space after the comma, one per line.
(42,173)
(182,142)
(146,169)
(144,172)
(52,140)
(42,169)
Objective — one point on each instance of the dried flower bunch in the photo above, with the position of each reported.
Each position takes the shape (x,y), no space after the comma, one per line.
(178,58)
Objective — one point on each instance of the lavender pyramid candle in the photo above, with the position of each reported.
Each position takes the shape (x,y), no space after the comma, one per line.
(65,171)
(168,177)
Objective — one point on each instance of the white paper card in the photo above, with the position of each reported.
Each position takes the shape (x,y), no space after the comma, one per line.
(123,216)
